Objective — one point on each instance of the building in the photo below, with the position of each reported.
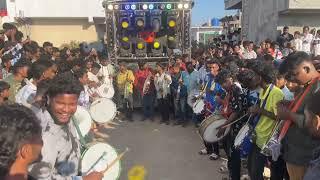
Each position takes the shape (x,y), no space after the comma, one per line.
(205,34)
(58,21)
(231,23)
(262,18)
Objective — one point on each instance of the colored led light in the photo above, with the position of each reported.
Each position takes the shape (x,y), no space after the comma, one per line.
(151,6)
(110,7)
(125,24)
(145,7)
(140,45)
(171,38)
(169,6)
(186,6)
(116,7)
(172,23)
(125,39)
(180,6)
(133,7)
(162,6)
(156,45)
(127,7)
(140,23)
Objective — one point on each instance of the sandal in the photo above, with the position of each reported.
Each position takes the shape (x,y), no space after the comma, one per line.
(203,152)
(223,170)
(214,157)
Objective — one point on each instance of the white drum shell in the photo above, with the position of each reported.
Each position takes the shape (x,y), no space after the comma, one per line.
(241,135)
(83,119)
(210,133)
(93,153)
(103,110)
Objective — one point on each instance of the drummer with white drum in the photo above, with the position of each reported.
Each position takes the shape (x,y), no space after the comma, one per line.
(61,148)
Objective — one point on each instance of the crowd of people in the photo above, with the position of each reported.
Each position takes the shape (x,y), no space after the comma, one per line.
(274,85)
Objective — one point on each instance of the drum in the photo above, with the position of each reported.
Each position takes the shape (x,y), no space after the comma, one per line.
(105,91)
(97,157)
(208,128)
(243,133)
(83,119)
(103,110)
(198,106)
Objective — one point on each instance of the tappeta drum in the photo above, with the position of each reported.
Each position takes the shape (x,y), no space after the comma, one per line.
(105,91)
(208,128)
(97,158)
(83,119)
(198,106)
(103,110)
(244,131)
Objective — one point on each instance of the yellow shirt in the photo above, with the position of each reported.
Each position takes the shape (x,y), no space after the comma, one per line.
(122,79)
(265,125)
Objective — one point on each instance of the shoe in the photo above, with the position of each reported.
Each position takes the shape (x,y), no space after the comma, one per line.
(203,152)
(214,157)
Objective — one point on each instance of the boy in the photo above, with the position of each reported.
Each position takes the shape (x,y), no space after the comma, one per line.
(297,42)
(20,142)
(4,92)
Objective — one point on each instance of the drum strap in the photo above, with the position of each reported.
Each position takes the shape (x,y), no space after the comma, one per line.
(294,107)
(257,118)
(82,140)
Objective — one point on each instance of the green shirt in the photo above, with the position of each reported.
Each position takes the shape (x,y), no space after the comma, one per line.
(15,86)
(265,125)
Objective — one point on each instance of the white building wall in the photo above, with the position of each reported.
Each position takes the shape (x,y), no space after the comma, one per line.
(55,8)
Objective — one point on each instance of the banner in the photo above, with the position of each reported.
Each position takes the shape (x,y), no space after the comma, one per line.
(3,8)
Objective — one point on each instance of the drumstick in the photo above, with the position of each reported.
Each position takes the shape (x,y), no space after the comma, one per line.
(114,161)
(229,124)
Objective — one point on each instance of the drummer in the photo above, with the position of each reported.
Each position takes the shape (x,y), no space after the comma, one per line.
(238,106)
(213,89)
(107,70)
(61,148)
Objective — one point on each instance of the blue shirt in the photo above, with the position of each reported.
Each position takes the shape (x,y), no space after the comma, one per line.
(214,89)
(191,81)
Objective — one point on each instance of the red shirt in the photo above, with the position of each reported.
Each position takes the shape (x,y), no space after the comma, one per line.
(140,78)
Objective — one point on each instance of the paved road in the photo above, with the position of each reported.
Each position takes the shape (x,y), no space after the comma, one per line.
(166,152)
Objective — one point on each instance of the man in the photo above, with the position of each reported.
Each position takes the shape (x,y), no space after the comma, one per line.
(125,80)
(162,82)
(40,71)
(107,70)
(145,86)
(306,40)
(316,44)
(20,143)
(47,47)
(10,32)
(212,91)
(238,105)
(20,72)
(265,120)
(4,92)
(249,52)
(179,92)
(312,115)
(285,37)
(298,144)
(6,65)
(61,147)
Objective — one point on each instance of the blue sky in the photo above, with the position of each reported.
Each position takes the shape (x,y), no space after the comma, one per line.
(204,10)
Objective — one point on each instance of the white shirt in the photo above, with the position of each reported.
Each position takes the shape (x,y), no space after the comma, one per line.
(26,94)
(93,77)
(162,83)
(297,43)
(107,72)
(316,46)
(306,43)
(288,95)
(249,55)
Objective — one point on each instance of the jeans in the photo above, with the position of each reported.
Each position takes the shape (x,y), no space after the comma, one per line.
(128,105)
(180,108)
(148,105)
(164,108)
(257,162)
